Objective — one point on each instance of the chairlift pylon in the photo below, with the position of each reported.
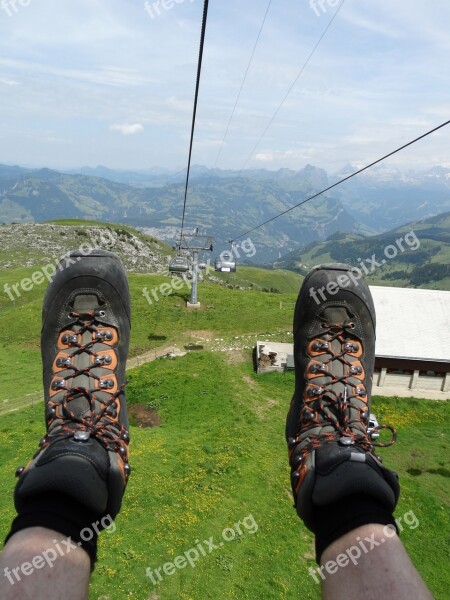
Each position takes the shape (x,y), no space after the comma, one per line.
(186,263)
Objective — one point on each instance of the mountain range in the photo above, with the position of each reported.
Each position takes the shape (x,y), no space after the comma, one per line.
(228,204)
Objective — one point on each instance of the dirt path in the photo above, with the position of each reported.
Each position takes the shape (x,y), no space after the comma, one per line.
(152,355)
(7,406)
(233,347)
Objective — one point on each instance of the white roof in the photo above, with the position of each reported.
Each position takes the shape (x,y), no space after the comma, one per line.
(412,323)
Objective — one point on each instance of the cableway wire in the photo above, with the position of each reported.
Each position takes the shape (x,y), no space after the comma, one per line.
(242,84)
(313,51)
(197,89)
(343,180)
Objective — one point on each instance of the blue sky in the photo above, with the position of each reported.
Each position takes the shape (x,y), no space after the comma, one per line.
(111,82)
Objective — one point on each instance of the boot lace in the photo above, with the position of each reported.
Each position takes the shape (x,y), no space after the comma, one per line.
(324,406)
(100,420)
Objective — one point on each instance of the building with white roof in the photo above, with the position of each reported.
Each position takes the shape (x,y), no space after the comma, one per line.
(412,324)
(413,333)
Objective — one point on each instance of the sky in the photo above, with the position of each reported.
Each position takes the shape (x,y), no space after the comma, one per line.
(111,82)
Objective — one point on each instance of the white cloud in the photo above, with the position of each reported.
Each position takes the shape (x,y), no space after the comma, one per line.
(180,104)
(127,128)
(265,156)
(4,81)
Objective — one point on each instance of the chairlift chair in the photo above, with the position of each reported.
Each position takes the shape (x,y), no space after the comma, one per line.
(179,264)
(226,264)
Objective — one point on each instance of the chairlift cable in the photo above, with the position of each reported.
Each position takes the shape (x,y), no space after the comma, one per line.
(280,106)
(242,84)
(343,180)
(197,89)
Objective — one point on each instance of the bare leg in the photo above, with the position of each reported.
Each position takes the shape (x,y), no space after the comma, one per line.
(36,563)
(384,571)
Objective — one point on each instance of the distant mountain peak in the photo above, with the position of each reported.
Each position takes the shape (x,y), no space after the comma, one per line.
(347,170)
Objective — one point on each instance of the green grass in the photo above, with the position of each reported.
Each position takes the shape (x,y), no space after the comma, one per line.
(224,312)
(219,457)
(284,281)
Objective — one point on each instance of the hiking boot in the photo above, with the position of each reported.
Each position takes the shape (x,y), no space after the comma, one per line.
(331,452)
(84,346)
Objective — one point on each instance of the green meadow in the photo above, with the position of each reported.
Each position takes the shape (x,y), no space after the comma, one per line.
(218,457)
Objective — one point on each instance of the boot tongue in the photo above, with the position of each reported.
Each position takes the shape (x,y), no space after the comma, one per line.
(85,303)
(335,314)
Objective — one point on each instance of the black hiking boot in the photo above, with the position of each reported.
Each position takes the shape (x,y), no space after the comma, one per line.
(330,451)
(84,345)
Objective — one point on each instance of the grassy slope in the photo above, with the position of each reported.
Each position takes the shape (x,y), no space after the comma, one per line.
(220,456)
(286,282)
(321,253)
(434,248)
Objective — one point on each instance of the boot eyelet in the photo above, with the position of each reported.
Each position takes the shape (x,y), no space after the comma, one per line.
(64,362)
(345,441)
(103,360)
(104,335)
(350,347)
(297,461)
(308,416)
(106,384)
(355,370)
(68,340)
(58,385)
(81,436)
